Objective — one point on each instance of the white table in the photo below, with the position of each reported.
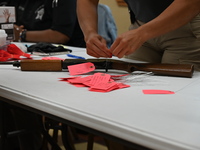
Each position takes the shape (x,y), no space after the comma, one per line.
(164,122)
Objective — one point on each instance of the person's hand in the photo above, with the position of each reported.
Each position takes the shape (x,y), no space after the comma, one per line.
(6,14)
(96,46)
(127,43)
(17,31)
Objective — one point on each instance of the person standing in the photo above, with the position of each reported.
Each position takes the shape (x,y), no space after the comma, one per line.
(162,31)
(166,31)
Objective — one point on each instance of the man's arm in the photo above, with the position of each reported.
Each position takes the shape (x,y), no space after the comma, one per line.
(179,13)
(88,20)
(48,35)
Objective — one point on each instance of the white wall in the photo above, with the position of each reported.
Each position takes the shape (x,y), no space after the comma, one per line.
(120,14)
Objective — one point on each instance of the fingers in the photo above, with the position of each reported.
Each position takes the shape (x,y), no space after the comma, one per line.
(17,31)
(18,28)
(126,44)
(21,26)
(116,48)
(6,12)
(97,47)
(120,48)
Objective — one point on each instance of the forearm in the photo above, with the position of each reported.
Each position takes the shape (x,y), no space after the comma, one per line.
(179,13)
(88,20)
(48,35)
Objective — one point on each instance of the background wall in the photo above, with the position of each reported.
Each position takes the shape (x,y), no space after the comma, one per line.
(120,14)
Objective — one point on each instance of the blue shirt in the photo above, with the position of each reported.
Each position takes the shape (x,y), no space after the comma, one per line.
(106,24)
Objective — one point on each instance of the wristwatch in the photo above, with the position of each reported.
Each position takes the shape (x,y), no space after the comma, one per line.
(23,36)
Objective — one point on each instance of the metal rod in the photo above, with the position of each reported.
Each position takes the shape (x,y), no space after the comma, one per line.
(5,63)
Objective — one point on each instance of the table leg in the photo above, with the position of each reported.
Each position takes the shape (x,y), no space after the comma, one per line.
(2,123)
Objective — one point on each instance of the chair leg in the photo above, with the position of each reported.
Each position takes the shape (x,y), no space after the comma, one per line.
(90,142)
(47,136)
(44,145)
(55,135)
(66,138)
(55,132)
(73,133)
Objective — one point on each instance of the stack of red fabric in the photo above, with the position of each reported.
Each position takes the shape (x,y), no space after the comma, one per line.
(12,53)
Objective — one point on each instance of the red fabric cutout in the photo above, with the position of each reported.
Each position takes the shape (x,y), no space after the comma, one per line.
(99,82)
(157,92)
(81,68)
(13,49)
(52,58)
(4,56)
(12,52)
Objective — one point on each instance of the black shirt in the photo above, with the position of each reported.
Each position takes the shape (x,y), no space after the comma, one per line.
(59,15)
(146,10)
